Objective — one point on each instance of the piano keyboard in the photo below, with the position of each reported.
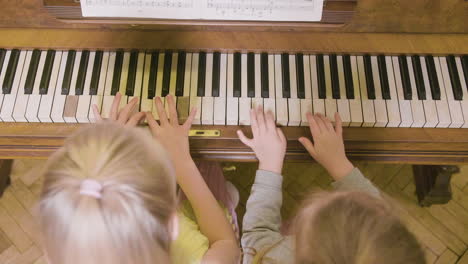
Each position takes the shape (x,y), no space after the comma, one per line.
(368,91)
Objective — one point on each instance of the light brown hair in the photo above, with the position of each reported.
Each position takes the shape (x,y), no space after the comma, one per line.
(131,222)
(353,228)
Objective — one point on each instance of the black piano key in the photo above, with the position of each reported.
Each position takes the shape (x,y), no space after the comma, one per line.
(68,72)
(405,79)
(166,73)
(285,74)
(300,76)
(464,61)
(433,80)
(418,76)
(80,80)
(322,90)
(10,71)
(215,86)
(265,77)
(201,74)
(251,74)
(45,79)
(383,77)
(117,72)
(454,78)
(132,70)
(180,73)
(348,74)
(2,58)
(237,75)
(334,77)
(369,77)
(93,88)
(153,75)
(31,76)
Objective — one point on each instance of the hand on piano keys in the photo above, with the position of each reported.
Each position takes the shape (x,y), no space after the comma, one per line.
(268,142)
(367,90)
(328,148)
(125,116)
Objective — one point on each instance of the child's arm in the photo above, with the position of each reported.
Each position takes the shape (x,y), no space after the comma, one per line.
(210,216)
(328,150)
(262,220)
(126,116)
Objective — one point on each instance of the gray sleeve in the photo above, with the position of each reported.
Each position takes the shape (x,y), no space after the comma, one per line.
(355,181)
(262,220)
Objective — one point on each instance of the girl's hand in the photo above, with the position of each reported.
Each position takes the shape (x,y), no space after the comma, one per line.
(172,136)
(328,147)
(126,116)
(268,142)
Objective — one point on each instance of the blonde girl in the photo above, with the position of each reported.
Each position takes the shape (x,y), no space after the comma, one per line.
(109,195)
(352,225)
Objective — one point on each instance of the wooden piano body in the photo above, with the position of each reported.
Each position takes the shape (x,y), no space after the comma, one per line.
(372,27)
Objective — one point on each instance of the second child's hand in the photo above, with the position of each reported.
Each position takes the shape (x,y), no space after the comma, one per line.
(268,142)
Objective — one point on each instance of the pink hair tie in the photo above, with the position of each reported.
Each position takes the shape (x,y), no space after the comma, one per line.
(91,188)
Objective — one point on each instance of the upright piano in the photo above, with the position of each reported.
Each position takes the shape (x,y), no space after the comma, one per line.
(396,71)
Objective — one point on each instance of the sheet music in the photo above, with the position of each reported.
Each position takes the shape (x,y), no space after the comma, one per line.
(268,10)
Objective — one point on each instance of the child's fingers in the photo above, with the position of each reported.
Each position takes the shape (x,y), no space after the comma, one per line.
(253,122)
(247,141)
(97,116)
(338,124)
(308,146)
(314,128)
(151,121)
(161,111)
(270,121)
(172,110)
(260,119)
(281,135)
(191,117)
(124,115)
(115,107)
(328,124)
(135,119)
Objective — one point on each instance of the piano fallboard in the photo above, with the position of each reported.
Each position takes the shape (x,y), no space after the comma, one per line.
(392,145)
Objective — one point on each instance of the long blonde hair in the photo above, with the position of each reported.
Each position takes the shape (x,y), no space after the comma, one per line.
(352,228)
(131,222)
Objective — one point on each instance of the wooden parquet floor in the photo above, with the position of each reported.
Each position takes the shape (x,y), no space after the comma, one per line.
(441,229)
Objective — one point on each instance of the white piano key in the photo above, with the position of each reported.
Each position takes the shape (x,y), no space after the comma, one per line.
(123,80)
(71,102)
(380,106)
(195,101)
(464,102)
(146,104)
(172,80)
(306,104)
(47,100)
(417,107)
(269,104)
(232,103)
(21,103)
(84,100)
(245,102)
(367,105)
(257,100)
(59,98)
(443,110)
(139,79)
(108,98)
(183,102)
(355,106)
(8,106)
(343,103)
(3,73)
(220,102)
(294,103)
(207,100)
(34,100)
(330,104)
(98,98)
(430,109)
(281,103)
(159,82)
(318,104)
(393,108)
(405,105)
(456,112)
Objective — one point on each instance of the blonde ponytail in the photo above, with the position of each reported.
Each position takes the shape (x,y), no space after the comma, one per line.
(130,221)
